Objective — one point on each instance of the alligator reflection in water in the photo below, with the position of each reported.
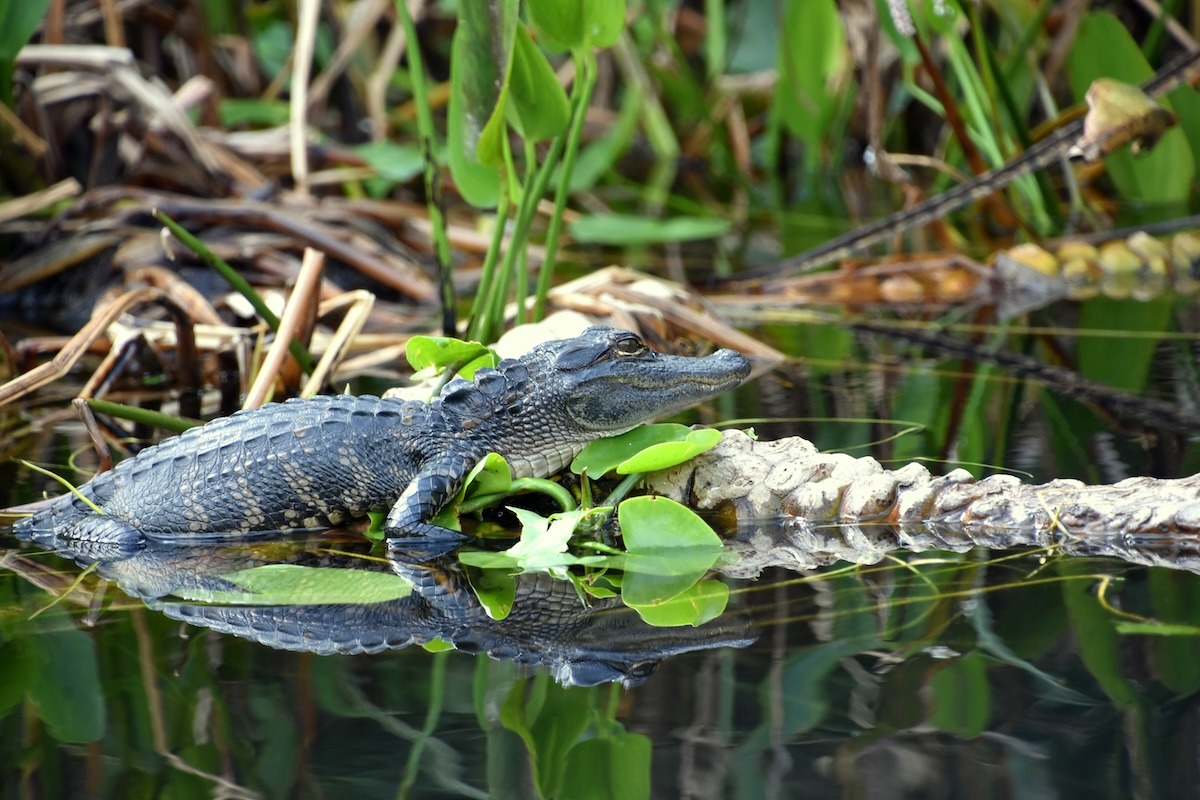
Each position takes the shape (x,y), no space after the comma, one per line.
(579,644)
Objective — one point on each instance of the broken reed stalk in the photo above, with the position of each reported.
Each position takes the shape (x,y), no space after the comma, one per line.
(301,300)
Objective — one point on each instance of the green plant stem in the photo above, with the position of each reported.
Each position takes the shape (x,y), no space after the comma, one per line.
(240,284)
(623,488)
(433,183)
(715,39)
(547,487)
(522,287)
(527,194)
(585,84)
(530,194)
(167,422)
(478,327)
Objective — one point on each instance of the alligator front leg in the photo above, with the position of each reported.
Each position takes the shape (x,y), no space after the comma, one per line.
(407,523)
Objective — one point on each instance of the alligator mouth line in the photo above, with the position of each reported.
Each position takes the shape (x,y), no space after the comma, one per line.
(708,380)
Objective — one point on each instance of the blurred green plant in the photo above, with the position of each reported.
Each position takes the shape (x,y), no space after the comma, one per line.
(576,745)
(503,86)
(18,20)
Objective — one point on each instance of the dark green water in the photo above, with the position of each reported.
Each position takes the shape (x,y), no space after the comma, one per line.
(977,675)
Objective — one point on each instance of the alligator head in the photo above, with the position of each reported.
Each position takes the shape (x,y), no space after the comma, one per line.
(563,394)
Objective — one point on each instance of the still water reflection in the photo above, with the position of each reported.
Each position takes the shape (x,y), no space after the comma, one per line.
(980,673)
(938,674)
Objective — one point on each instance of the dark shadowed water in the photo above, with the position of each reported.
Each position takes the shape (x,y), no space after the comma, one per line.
(930,675)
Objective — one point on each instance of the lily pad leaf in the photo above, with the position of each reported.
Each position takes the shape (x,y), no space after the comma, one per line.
(696,605)
(671,454)
(654,577)
(669,549)
(294,585)
(604,455)
(651,523)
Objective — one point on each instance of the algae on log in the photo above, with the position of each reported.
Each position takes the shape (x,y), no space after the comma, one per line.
(800,508)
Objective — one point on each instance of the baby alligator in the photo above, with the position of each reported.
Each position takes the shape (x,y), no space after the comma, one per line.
(308,464)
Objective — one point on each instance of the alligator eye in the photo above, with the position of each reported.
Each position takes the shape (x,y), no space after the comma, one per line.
(629,346)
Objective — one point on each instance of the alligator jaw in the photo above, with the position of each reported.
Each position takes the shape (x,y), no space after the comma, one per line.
(622,395)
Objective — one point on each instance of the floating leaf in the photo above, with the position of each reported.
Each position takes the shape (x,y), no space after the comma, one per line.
(604,455)
(670,454)
(669,549)
(292,584)
(696,605)
(648,523)
(653,577)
